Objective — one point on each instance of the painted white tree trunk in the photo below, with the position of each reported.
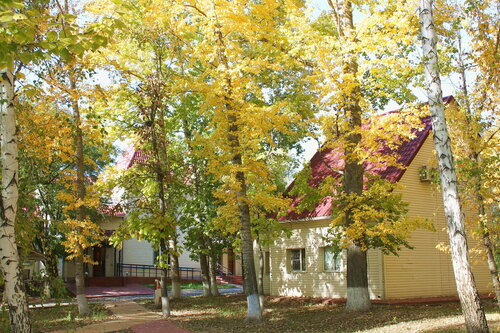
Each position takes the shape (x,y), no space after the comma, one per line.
(175,269)
(358,295)
(213,275)
(467,292)
(14,292)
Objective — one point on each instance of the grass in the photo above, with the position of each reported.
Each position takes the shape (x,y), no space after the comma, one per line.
(287,315)
(190,285)
(59,317)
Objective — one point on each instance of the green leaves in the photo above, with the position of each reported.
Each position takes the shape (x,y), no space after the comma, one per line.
(52,36)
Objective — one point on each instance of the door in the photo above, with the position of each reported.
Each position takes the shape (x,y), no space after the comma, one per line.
(100,260)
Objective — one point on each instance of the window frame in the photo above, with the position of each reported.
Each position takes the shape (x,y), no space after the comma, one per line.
(337,257)
(301,259)
(267,263)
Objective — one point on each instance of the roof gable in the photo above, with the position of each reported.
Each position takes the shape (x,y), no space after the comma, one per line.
(329,162)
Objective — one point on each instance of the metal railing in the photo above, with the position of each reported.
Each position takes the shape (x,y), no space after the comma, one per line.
(223,270)
(136,270)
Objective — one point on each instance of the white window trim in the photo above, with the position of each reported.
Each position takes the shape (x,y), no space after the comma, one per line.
(302,260)
(340,255)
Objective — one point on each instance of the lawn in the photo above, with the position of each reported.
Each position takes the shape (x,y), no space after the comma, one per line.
(59,317)
(227,313)
(191,285)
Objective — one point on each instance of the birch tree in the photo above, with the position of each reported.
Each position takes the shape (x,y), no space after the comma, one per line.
(472,38)
(11,269)
(17,31)
(475,319)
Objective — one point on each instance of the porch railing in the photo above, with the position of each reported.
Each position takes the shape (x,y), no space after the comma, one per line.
(136,270)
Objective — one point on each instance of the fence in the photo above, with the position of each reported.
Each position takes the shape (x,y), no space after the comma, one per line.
(151,271)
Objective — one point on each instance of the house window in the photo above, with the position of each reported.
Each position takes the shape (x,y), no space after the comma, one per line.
(267,263)
(298,260)
(332,261)
(157,257)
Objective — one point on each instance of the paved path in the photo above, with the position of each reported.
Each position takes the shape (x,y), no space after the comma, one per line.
(107,299)
(126,313)
(127,290)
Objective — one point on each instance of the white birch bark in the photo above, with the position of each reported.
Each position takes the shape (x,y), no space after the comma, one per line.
(14,292)
(467,292)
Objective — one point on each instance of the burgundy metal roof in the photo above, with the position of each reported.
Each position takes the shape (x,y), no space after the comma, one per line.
(130,157)
(327,162)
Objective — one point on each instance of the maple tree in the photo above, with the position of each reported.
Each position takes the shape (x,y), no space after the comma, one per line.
(145,55)
(240,43)
(61,76)
(359,67)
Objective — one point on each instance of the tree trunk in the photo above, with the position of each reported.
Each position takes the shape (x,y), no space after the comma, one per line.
(51,263)
(254,312)
(475,156)
(83,305)
(261,275)
(475,319)
(244,276)
(213,275)
(253,307)
(14,292)
(358,296)
(165,303)
(175,269)
(492,265)
(81,298)
(205,269)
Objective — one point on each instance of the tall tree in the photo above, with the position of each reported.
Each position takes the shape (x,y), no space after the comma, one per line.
(473,40)
(475,319)
(362,66)
(241,43)
(11,269)
(17,37)
(358,296)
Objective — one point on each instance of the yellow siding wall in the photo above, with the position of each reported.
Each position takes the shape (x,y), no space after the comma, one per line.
(425,271)
(314,281)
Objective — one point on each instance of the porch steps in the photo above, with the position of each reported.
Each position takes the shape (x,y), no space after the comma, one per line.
(230,279)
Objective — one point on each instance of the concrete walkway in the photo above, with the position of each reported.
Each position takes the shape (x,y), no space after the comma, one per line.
(126,313)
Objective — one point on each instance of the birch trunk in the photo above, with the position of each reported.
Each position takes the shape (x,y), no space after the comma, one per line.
(358,296)
(205,269)
(14,292)
(475,319)
(83,305)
